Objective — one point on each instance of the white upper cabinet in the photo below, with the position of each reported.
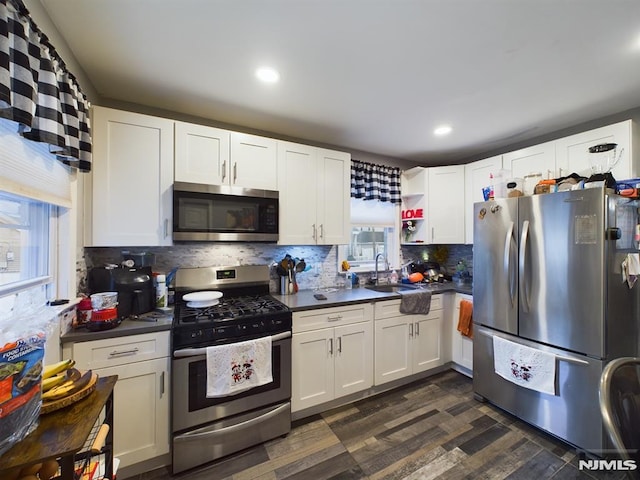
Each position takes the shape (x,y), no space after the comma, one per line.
(202,154)
(433,199)
(254,161)
(536,159)
(477,177)
(314,185)
(445,204)
(129,192)
(333,211)
(572,153)
(219,157)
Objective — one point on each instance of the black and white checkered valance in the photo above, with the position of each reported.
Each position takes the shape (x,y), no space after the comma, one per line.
(37,90)
(375,182)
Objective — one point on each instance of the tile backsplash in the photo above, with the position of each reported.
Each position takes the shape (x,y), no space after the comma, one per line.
(322,259)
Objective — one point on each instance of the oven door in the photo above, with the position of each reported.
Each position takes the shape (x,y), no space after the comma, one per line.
(192,408)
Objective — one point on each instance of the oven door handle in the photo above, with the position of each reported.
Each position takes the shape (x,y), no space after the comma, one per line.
(194,352)
(209,432)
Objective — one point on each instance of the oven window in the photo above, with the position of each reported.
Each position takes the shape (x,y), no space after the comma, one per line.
(198,383)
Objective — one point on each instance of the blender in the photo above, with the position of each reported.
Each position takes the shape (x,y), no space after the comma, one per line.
(603,158)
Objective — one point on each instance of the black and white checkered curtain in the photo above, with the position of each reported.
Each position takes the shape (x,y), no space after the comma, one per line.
(375,182)
(38,92)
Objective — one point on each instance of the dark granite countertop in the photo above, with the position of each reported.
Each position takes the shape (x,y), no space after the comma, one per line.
(155,321)
(305,300)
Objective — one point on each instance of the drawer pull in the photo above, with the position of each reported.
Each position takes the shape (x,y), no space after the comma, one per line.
(335,319)
(116,353)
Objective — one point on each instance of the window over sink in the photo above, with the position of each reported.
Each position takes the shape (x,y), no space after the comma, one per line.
(374,229)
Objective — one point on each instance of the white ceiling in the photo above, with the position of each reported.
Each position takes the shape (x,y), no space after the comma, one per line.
(371,75)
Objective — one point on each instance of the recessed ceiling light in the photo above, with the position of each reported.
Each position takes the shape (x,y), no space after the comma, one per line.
(267,75)
(442,130)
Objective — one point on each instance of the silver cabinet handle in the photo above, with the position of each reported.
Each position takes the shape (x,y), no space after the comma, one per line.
(417,329)
(321,230)
(433,234)
(162,385)
(116,353)
(314,231)
(339,344)
(335,318)
(331,346)
(235,171)
(166,227)
(411,329)
(224,170)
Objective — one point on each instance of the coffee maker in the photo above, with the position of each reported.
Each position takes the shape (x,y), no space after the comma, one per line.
(136,291)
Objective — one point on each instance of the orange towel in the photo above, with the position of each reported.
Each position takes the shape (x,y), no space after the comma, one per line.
(465,321)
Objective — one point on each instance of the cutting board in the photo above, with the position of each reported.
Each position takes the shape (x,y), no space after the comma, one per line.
(48,407)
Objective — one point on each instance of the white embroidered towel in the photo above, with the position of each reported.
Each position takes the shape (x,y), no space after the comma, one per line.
(525,366)
(237,367)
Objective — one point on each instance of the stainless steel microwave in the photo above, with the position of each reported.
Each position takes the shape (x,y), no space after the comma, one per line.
(224,213)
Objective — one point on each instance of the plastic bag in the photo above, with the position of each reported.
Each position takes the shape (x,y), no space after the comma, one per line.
(23,331)
(20,388)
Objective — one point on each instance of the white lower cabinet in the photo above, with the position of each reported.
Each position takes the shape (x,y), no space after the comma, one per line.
(461,346)
(332,354)
(141,394)
(407,344)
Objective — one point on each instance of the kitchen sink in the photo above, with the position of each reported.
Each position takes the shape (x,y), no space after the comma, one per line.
(391,288)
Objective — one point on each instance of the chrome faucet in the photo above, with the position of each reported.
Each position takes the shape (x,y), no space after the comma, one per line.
(377,258)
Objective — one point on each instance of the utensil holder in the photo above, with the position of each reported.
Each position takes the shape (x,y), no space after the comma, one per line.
(284,286)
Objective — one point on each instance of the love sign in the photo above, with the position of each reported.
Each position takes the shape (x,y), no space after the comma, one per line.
(414,213)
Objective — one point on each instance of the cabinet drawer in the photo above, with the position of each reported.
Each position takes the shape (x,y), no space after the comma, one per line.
(331,317)
(391,308)
(121,350)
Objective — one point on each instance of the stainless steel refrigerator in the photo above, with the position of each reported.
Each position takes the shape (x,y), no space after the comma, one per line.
(547,274)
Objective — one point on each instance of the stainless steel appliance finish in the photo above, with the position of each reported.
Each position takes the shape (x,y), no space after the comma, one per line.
(224,213)
(547,275)
(205,429)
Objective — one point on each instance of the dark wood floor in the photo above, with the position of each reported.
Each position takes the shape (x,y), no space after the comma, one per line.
(429,429)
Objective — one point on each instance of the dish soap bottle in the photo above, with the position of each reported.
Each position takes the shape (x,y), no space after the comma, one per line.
(393,278)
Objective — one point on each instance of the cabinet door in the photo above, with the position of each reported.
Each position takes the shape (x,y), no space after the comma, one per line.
(573,152)
(353,358)
(297,183)
(445,204)
(253,162)
(131,202)
(312,381)
(461,346)
(392,349)
(141,410)
(333,210)
(202,154)
(536,159)
(427,341)
(476,178)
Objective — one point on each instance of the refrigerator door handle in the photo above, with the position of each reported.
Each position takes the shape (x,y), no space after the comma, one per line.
(509,242)
(524,284)
(560,358)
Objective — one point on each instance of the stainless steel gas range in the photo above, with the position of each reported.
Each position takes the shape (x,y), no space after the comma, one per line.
(205,429)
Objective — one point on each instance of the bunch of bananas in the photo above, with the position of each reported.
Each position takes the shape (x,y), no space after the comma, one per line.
(61,380)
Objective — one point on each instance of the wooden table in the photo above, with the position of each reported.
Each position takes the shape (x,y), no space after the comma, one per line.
(62,434)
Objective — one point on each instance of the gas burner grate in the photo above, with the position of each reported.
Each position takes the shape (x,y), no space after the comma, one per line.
(231,308)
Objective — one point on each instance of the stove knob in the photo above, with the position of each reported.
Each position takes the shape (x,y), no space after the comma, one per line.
(196,334)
